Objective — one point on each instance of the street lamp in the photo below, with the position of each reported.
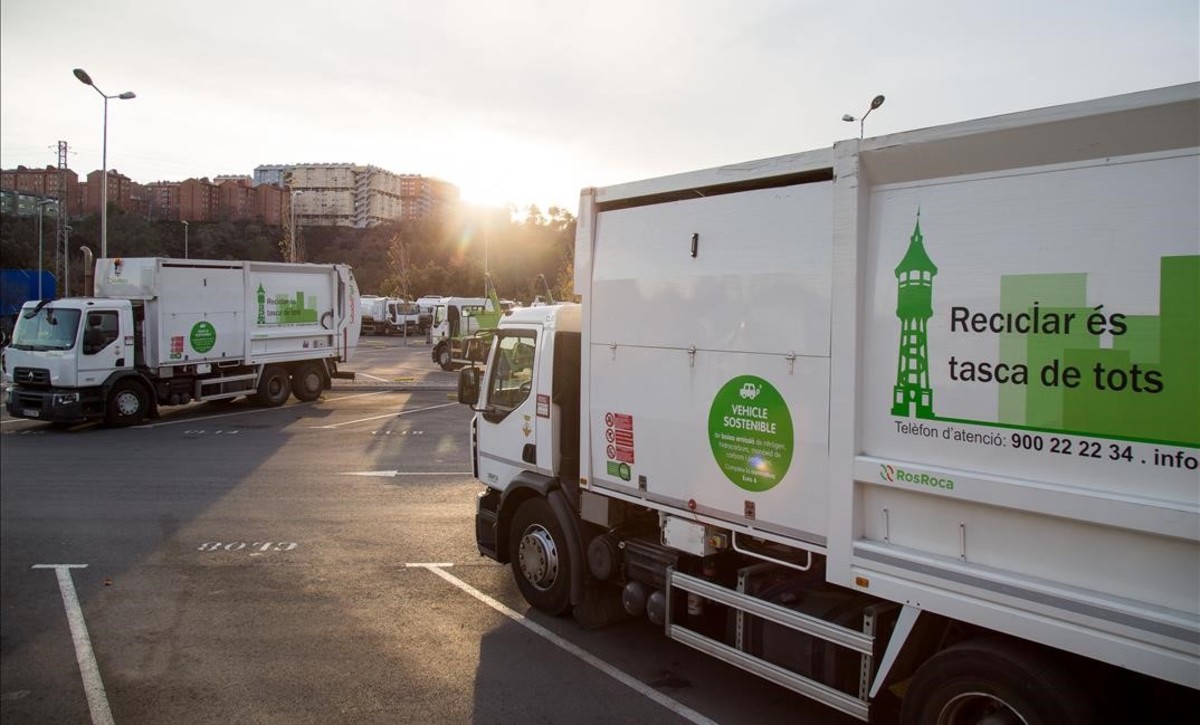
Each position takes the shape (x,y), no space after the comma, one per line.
(67,263)
(292,254)
(41,213)
(185,240)
(84,78)
(876,102)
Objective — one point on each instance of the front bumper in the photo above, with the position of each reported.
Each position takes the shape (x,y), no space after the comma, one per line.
(52,405)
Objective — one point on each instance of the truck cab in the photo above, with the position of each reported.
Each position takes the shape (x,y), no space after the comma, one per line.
(455,321)
(521,423)
(65,355)
(526,444)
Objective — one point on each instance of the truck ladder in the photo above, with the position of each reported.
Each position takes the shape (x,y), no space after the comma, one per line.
(229,386)
(744,603)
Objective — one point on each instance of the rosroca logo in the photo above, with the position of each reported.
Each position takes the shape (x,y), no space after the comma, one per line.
(892,474)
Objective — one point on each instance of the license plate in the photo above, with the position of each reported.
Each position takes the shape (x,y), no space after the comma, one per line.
(31,413)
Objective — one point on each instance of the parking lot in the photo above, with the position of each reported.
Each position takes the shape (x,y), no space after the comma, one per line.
(313,563)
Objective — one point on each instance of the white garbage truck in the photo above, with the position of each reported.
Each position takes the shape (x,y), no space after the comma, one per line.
(913,428)
(162,332)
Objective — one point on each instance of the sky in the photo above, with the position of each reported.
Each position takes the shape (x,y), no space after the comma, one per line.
(528,101)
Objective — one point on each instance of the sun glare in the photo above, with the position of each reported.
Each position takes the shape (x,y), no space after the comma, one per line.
(493,169)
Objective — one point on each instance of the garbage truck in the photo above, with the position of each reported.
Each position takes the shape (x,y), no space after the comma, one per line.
(162,332)
(462,326)
(914,429)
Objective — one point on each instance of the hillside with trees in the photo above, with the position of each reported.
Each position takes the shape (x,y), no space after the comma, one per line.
(444,255)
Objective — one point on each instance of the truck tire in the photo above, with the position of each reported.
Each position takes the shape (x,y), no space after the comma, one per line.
(274,387)
(308,382)
(128,403)
(996,680)
(444,359)
(541,561)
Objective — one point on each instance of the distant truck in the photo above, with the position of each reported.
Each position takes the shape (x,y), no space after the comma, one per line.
(18,286)
(392,316)
(165,332)
(913,427)
(457,324)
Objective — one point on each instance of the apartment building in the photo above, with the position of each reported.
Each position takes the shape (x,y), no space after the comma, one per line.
(44,183)
(120,191)
(347,194)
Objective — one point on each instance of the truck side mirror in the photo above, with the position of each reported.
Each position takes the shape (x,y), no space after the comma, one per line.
(468,386)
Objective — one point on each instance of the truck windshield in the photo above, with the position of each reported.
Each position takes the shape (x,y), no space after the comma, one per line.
(46,328)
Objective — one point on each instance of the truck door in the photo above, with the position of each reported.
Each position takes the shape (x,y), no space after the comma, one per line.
(105,345)
(508,424)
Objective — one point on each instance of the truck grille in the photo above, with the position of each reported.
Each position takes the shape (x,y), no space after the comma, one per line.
(31,376)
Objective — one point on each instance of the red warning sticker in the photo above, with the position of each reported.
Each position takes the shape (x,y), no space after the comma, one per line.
(618,433)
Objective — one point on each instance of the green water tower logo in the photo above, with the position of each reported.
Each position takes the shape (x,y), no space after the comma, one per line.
(912,394)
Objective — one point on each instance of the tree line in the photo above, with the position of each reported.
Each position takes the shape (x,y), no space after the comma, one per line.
(445,254)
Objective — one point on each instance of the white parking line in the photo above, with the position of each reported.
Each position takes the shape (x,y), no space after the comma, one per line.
(393,474)
(674,706)
(248,411)
(92,684)
(385,415)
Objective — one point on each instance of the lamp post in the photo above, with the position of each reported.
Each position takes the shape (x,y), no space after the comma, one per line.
(876,102)
(41,210)
(84,78)
(185,240)
(292,251)
(67,264)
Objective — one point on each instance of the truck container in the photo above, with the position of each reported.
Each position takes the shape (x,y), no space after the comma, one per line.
(912,428)
(375,315)
(166,332)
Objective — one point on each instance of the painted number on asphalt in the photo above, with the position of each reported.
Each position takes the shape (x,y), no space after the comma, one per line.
(254,549)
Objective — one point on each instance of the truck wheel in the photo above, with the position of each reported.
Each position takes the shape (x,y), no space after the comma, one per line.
(274,387)
(541,562)
(307,382)
(128,403)
(996,681)
(444,359)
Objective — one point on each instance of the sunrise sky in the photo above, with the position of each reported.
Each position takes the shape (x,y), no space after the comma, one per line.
(527,101)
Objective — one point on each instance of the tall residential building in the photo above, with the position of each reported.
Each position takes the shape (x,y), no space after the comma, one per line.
(120,191)
(345,194)
(161,199)
(199,201)
(268,204)
(44,183)
(237,199)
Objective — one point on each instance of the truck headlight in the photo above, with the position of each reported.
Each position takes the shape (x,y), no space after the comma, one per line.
(66,398)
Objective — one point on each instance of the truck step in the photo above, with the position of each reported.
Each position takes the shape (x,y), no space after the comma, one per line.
(745,603)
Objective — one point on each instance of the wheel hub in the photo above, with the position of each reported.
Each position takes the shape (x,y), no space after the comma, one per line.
(537,556)
(127,403)
(979,708)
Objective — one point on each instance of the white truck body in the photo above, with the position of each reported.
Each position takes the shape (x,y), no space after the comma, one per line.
(956,369)
(183,330)
(375,315)
(391,315)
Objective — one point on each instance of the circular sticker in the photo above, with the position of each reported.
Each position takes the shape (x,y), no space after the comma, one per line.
(203,336)
(750,431)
